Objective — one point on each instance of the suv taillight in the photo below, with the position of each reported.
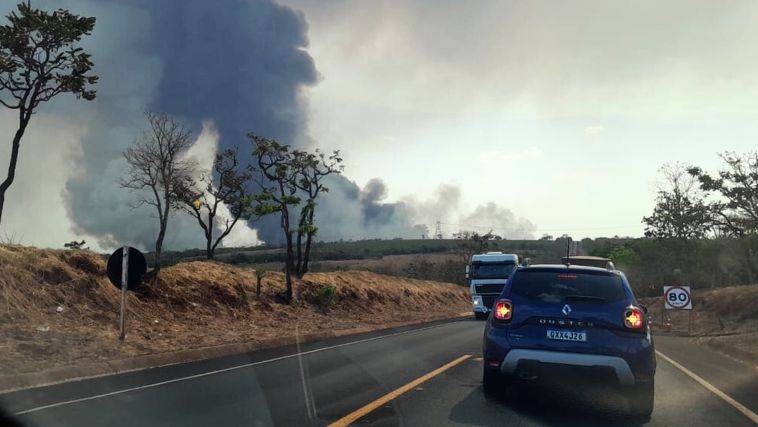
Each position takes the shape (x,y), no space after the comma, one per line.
(634,318)
(503,309)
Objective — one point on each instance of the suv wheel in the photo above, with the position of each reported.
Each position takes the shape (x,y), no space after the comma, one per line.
(641,398)
(494,383)
(480,316)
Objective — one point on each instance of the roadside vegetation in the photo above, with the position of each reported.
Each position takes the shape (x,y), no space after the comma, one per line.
(58,308)
(703,232)
(649,263)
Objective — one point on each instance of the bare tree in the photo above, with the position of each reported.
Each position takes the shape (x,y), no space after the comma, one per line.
(156,165)
(38,61)
(313,168)
(225,186)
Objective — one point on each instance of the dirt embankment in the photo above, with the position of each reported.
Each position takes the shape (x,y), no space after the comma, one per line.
(57,308)
(725,318)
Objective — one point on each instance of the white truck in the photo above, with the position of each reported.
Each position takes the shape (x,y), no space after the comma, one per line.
(487,275)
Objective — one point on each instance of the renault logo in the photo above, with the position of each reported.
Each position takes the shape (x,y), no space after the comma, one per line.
(566,309)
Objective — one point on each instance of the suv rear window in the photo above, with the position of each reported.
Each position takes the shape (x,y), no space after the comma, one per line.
(562,286)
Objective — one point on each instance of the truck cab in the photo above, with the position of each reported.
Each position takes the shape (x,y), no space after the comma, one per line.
(487,274)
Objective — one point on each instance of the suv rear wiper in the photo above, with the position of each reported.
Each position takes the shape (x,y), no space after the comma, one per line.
(584,298)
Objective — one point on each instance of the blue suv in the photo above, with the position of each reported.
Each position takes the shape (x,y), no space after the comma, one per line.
(571,318)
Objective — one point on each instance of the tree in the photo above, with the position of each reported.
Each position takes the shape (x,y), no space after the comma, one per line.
(469,243)
(312,169)
(277,181)
(226,186)
(680,210)
(623,256)
(736,213)
(680,216)
(38,61)
(737,184)
(156,164)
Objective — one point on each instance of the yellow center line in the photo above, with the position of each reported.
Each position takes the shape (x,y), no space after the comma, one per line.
(356,415)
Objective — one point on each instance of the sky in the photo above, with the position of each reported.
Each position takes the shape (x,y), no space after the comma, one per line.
(561,112)
(521,117)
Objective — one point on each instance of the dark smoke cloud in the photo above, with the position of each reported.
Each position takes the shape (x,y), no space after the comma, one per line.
(349,212)
(242,65)
(374,191)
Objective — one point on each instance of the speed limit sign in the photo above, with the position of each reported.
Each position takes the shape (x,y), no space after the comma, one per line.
(677,297)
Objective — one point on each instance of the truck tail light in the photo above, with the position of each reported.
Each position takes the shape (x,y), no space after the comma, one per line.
(634,318)
(503,309)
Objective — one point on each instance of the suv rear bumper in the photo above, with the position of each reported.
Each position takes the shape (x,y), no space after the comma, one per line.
(619,365)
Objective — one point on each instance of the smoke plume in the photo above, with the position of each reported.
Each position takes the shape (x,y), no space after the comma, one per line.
(445,206)
(240,66)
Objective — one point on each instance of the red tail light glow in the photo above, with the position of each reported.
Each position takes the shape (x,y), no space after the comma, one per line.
(503,310)
(567,276)
(633,318)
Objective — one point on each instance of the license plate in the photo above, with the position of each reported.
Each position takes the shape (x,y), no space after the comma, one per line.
(566,335)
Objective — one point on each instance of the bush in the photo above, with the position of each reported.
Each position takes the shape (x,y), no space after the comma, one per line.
(326,297)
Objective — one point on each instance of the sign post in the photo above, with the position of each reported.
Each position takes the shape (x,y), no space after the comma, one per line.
(679,298)
(124,288)
(126,266)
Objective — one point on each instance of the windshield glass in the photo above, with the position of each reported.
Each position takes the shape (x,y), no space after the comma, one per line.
(559,287)
(492,270)
(275,212)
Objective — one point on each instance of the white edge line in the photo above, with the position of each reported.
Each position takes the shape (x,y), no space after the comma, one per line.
(307,395)
(218,371)
(737,405)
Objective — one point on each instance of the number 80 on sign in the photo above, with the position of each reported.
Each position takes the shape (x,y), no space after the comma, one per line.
(677,297)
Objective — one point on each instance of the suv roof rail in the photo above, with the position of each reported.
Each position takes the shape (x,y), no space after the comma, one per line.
(588,261)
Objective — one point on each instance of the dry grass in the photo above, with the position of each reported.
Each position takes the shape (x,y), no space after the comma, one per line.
(58,308)
(726,318)
(718,311)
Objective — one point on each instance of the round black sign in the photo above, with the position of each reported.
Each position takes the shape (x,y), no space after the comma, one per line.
(137,267)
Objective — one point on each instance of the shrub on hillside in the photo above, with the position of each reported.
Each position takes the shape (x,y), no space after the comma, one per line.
(326,297)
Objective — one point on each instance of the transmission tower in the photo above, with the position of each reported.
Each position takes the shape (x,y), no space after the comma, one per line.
(438,230)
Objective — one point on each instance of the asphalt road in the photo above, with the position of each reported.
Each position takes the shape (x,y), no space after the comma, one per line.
(320,383)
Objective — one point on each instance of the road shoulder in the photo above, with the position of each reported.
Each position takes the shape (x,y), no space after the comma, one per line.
(734,377)
(95,369)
